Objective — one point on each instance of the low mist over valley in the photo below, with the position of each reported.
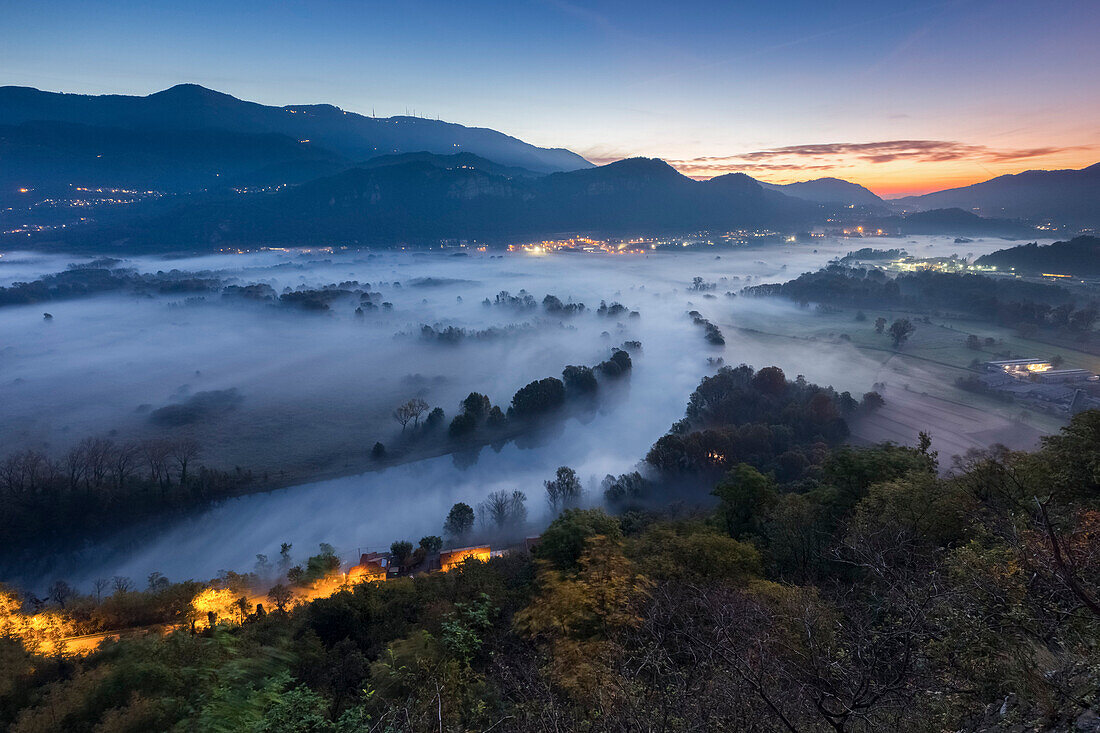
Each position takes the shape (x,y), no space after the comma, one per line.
(288,365)
(523,367)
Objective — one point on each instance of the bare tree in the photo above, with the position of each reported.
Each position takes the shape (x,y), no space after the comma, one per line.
(76,467)
(122,584)
(502,508)
(25,472)
(60,592)
(402,414)
(183,451)
(417,407)
(156,454)
(124,460)
(100,585)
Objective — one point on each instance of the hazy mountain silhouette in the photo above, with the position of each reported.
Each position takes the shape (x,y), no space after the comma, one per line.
(60,139)
(426,198)
(1066,196)
(49,156)
(828,190)
(949,221)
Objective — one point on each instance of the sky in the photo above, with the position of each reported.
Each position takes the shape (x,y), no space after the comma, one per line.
(902,97)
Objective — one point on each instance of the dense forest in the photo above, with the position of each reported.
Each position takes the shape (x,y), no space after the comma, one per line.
(859,589)
(1079,256)
(1005,301)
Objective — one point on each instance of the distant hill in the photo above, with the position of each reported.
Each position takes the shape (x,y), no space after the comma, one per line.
(456,160)
(950,221)
(1079,256)
(56,139)
(51,156)
(424,198)
(828,191)
(1065,196)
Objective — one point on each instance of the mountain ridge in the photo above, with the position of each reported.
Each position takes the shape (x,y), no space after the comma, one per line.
(1066,196)
(349,134)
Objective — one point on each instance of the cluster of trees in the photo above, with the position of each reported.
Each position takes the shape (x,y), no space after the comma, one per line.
(871,594)
(870,253)
(711,332)
(105,276)
(538,398)
(744,416)
(453,335)
(100,484)
(614,310)
(553,304)
(522,301)
(1004,301)
(1079,256)
(102,277)
(899,331)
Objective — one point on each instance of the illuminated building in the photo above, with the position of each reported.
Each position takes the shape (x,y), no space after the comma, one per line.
(449,559)
(371,569)
(1019,368)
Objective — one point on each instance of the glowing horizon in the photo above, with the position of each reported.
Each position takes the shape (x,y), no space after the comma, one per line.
(784,91)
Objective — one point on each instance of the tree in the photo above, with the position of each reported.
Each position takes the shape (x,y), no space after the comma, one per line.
(60,592)
(431,544)
(157,581)
(579,380)
(156,454)
(462,425)
(564,490)
(618,365)
(495,418)
(378,452)
(122,584)
(280,596)
(403,413)
(880,324)
(322,564)
(872,401)
(401,550)
(503,508)
(539,397)
(620,491)
(417,407)
(563,541)
(435,418)
(900,330)
(460,520)
(183,451)
(973,342)
(476,405)
(284,557)
(747,497)
(770,380)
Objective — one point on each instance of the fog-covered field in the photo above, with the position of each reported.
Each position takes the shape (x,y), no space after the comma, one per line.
(316,389)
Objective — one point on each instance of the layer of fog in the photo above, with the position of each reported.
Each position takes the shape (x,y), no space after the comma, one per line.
(324,384)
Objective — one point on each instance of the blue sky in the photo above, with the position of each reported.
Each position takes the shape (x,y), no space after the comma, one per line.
(949,92)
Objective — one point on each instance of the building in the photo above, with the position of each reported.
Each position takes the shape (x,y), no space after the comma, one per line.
(449,559)
(1019,368)
(1062,376)
(372,568)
